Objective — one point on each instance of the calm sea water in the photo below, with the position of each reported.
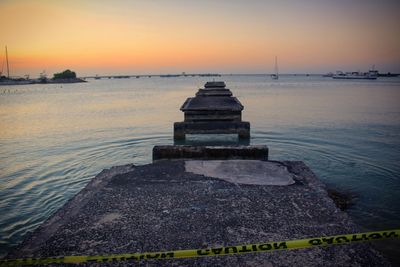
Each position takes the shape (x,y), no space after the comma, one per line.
(55,138)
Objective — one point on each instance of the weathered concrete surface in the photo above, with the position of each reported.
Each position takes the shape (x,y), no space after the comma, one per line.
(212,103)
(215,84)
(214,115)
(210,152)
(214,92)
(254,172)
(212,111)
(216,127)
(160,207)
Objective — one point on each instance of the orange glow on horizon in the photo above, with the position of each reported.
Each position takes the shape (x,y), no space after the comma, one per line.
(152,36)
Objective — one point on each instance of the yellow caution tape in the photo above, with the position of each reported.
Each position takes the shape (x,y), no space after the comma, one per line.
(218,251)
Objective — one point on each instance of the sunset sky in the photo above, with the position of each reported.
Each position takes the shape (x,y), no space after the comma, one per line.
(171,36)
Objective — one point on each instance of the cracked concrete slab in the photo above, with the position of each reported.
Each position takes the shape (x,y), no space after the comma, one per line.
(254,172)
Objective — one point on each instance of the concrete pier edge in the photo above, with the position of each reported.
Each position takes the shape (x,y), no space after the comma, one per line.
(259,152)
(161,207)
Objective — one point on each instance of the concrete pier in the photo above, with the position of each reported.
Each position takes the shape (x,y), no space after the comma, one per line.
(183,128)
(212,111)
(210,152)
(172,205)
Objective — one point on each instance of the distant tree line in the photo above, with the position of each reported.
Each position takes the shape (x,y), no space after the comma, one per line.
(66,74)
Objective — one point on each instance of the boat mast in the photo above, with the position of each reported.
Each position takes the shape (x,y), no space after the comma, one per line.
(8,68)
(276,66)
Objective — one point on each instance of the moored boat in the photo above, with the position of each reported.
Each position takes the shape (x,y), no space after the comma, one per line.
(370,75)
(275,76)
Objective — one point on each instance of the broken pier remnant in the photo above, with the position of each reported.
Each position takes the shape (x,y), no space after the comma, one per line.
(259,152)
(212,111)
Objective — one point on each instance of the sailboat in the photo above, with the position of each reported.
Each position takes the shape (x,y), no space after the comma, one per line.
(275,76)
(8,68)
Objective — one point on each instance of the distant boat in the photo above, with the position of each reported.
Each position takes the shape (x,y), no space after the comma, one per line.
(8,67)
(275,76)
(370,75)
(329,74)
(388,74)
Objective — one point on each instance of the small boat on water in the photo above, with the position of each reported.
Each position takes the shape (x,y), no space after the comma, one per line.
(370,75)
(8,67)
(329,74)
(275,76)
